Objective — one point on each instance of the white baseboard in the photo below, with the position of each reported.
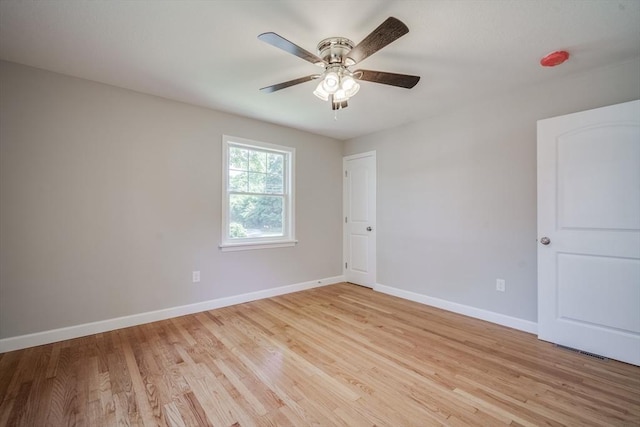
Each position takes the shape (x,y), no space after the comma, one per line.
(478,313)
(54,335)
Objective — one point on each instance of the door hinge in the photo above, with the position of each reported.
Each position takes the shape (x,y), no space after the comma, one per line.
(345,219)
(345,174)
(345,265)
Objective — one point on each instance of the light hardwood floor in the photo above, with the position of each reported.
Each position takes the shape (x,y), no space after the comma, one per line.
(336,355)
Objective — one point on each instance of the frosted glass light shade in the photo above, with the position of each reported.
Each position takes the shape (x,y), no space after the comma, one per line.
(340,96)
(354,90)
(348,83)
(320,92)
(331,82)
(337,86)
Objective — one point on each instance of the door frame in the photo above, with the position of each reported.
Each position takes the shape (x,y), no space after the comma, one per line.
(345,200)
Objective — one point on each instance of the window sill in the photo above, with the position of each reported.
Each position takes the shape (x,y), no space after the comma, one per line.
(248,246)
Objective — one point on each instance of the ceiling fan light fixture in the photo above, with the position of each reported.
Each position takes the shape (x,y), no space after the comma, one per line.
(337,86)
(336,54)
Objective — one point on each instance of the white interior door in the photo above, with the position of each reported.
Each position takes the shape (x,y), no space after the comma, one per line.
(589,231)
(360,218)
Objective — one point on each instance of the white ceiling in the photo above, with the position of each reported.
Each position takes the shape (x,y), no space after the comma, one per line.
(207,52)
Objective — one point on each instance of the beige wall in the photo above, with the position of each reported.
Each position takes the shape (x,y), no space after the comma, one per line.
(457,193)
(110,198)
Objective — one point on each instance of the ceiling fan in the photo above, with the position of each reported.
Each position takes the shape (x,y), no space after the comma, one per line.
(336,54)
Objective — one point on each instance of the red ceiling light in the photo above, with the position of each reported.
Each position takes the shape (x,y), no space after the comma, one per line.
(554,58)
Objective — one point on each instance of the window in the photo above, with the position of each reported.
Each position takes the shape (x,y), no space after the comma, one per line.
(257,195)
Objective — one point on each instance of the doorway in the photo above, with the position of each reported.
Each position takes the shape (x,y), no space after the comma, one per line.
(359,206)
(589,231)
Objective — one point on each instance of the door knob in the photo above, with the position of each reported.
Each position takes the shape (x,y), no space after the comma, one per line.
(545,240)
(369,228)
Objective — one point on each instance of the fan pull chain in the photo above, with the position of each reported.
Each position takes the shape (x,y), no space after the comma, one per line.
(335,115)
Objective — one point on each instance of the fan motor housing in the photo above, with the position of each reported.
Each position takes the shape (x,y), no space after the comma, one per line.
(333,50)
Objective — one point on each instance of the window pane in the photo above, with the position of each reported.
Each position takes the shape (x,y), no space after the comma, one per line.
(255,216)
(238,158)
(257,161)
(275,163)
(257,182)
(238,181)
(274,184)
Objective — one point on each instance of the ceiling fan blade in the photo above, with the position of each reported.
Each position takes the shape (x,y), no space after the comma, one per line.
(280,42)
(389,31)
(401,80)
(283,85)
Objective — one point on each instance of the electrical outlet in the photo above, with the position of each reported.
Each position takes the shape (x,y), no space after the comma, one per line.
(195,276)
(500,285)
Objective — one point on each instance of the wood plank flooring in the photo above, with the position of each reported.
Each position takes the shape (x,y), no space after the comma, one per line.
(340,355)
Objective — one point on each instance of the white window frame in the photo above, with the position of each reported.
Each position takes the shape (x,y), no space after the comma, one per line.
(288,231)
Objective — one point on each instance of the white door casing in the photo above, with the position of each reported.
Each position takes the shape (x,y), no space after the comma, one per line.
(589,210)
(359,193)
